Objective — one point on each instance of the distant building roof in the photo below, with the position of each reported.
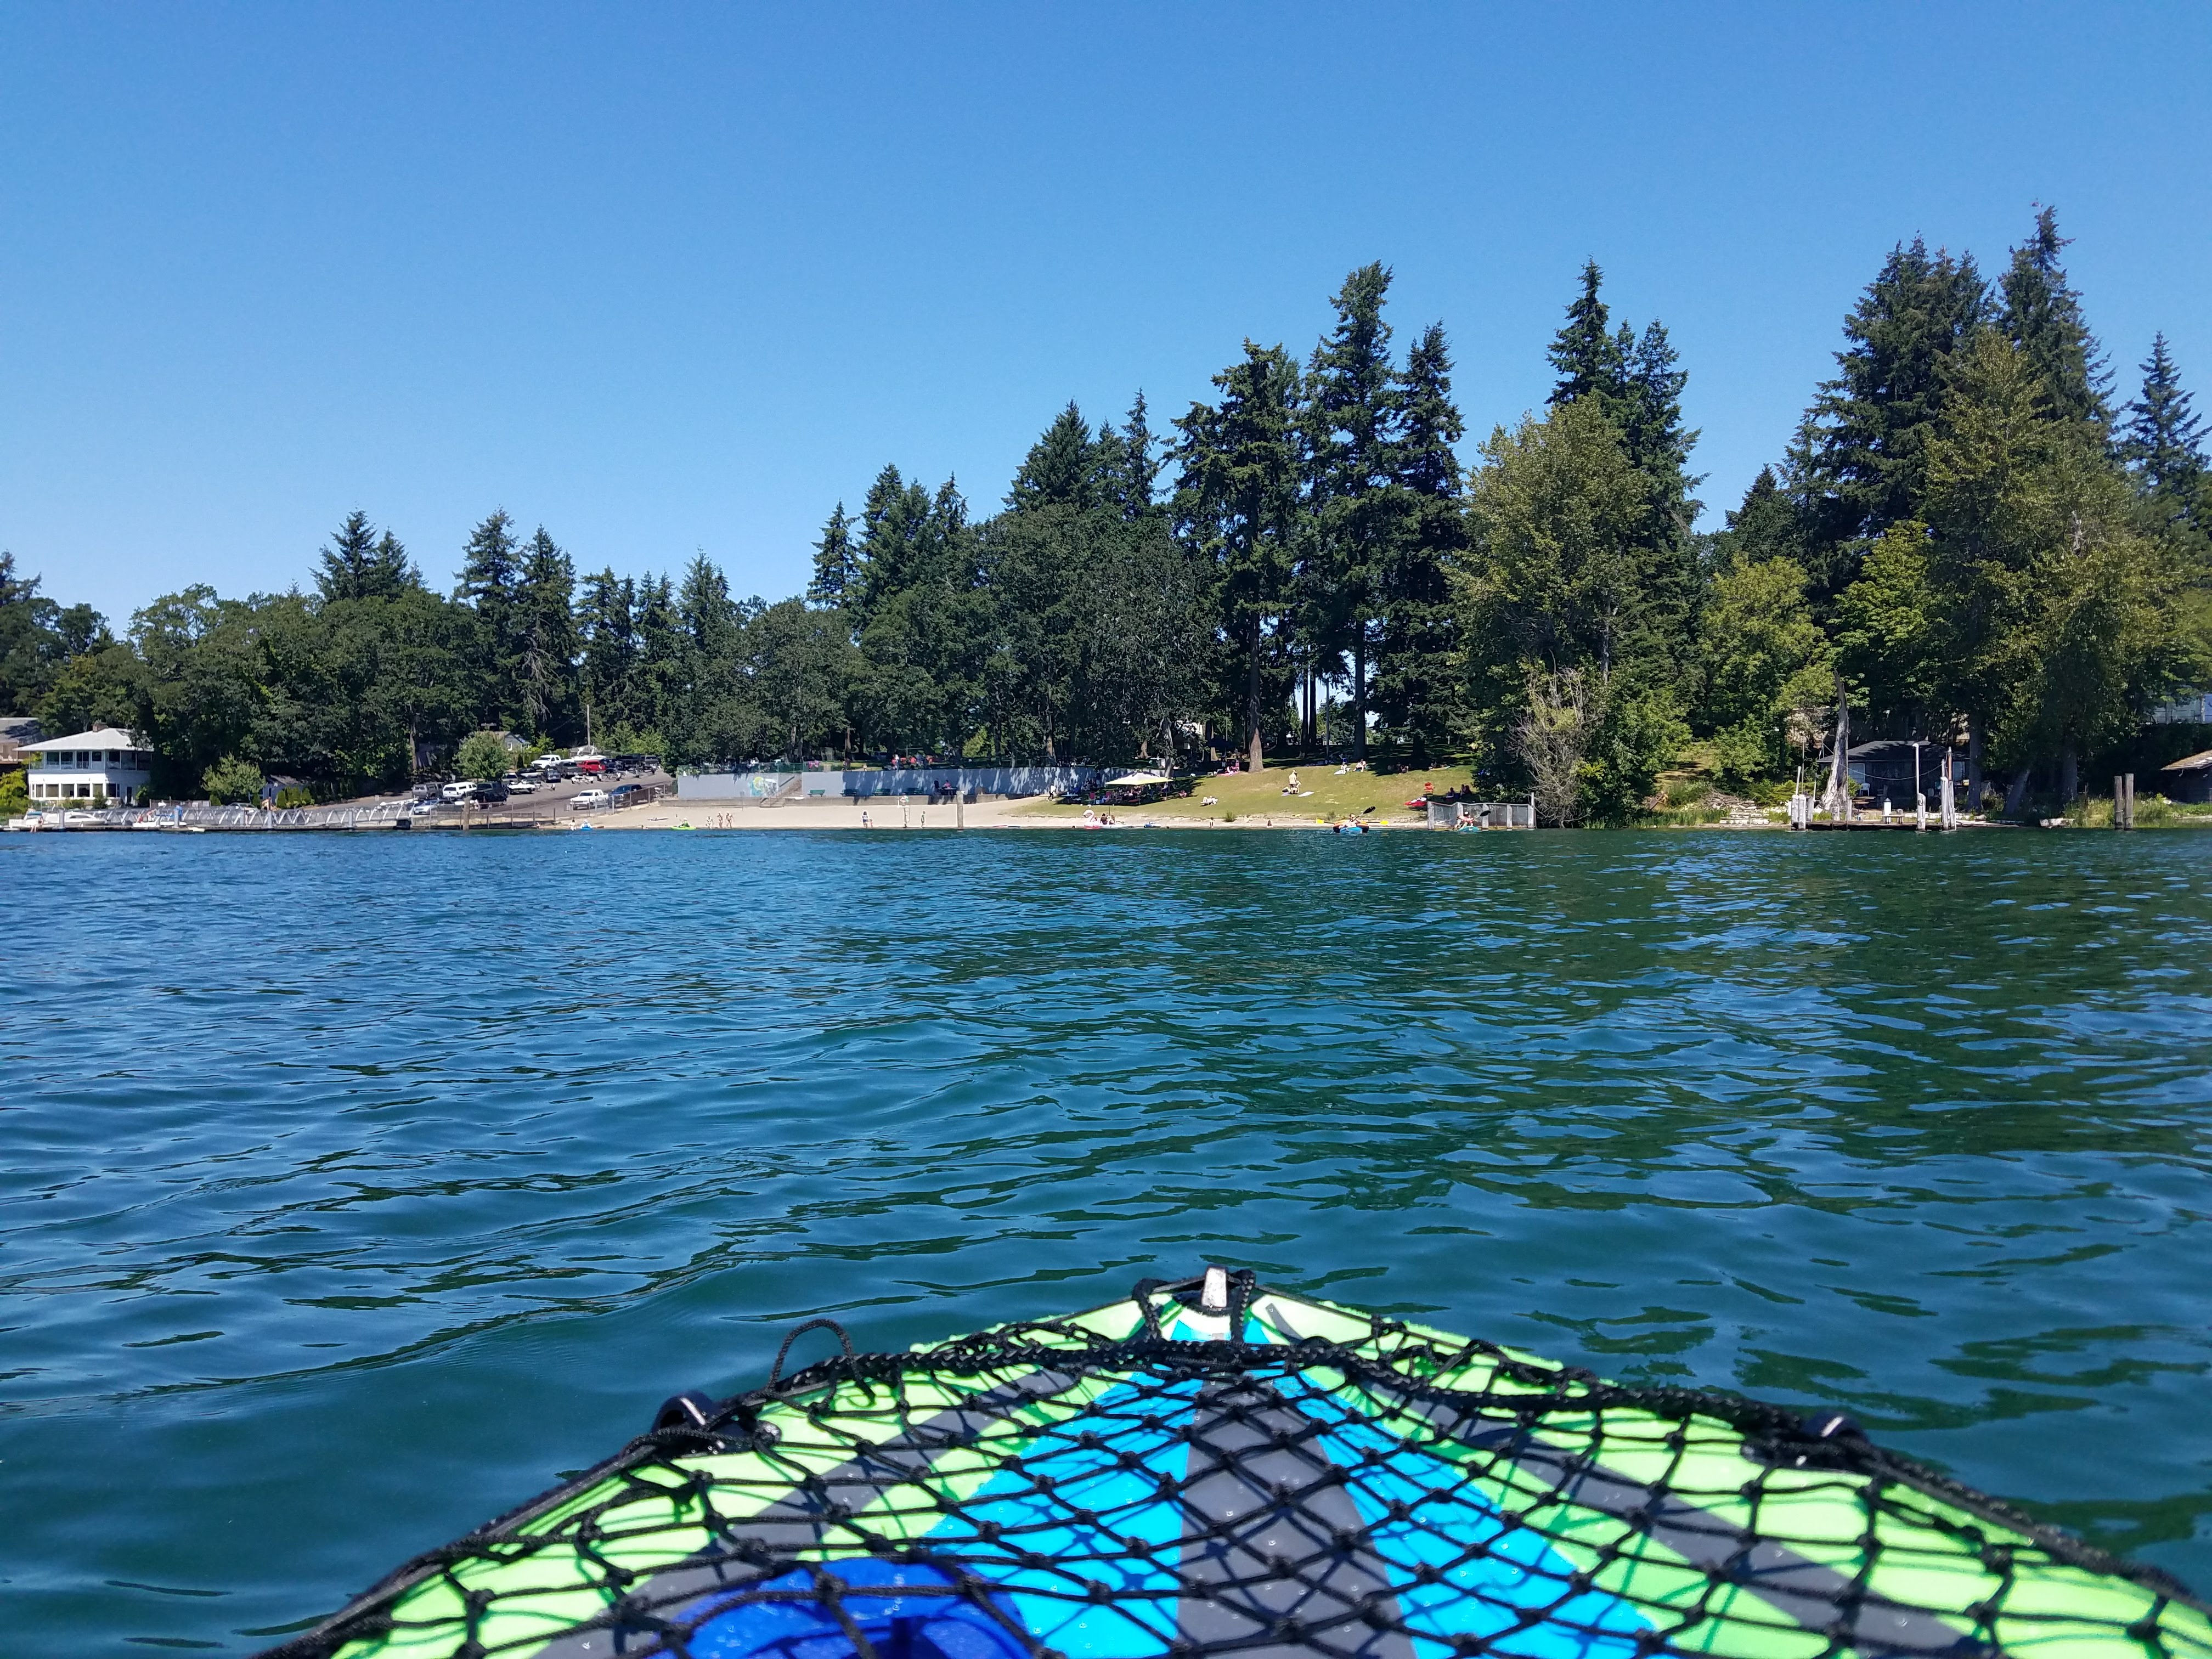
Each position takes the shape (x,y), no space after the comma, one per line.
(2198,762)
(21,727)
(1894,747)
(100,737)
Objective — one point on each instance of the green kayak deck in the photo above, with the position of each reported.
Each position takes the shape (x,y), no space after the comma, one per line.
(1213,1467)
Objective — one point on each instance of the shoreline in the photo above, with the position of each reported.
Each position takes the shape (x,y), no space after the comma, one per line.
(888,814)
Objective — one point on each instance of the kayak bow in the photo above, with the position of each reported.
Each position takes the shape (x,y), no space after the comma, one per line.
(1211,1467)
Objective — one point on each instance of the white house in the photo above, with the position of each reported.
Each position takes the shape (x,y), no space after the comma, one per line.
(102,765)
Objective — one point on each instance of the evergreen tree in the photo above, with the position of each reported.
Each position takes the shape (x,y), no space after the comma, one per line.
(1134,483)
(546,627)
(656,686)
(711,724)
(1636,384)
(2042,315)
(607,621)
(1415,677)
(490,585)
(894,538)
(1353,417)
(1587,355)
(1875,418)
(837,562)
(1237,504)
(709,617)
(2163,438)
(919,628)
(1766,526)
(1658,446)
(359,564)
(1059,469)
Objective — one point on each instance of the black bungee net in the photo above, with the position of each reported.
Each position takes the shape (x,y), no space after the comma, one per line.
(1231,1497)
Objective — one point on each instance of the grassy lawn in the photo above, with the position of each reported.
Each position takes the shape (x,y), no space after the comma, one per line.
(1254,797)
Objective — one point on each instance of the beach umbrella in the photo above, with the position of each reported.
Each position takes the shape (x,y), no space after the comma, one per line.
(1212,1468)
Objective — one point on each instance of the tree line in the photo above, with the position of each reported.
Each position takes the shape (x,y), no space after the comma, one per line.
(1966,534)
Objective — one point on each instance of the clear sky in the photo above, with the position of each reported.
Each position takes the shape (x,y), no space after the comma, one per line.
(672,278)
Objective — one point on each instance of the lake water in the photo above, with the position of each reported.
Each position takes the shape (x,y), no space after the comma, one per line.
(354,1189)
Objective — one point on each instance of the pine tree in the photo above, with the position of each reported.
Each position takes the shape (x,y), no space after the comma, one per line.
(1636,384)
(490,585)
(1059,469)
(2042,315)
(1351,430)
(1415,670)
(607,621)
(546,626)
(837,562)
(1236,503)
(1766,526)
(894,533)
(1135,485)
(1875,418)
(1658,446)
(360,565)
(1587,357)
(656,688)
(2163,438)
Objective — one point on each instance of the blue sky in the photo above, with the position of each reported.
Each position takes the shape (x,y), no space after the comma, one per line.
(668,278)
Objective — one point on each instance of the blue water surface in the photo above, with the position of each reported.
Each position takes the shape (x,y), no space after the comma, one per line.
(353,1188)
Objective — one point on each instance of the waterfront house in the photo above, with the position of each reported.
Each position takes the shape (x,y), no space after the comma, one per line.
(2189,779)
(102,767)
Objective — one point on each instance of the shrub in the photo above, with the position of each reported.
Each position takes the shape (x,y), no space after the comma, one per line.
(1739,755)
(14,796)
(231,781)
(482,755)
(1632,737)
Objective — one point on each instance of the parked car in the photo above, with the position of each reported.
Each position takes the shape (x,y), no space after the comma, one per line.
(520,786)
(454,793)
(584,800)
(489,794)
(626,794)
(422,808)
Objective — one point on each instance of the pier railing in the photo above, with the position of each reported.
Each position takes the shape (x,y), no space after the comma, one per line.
(1482,815)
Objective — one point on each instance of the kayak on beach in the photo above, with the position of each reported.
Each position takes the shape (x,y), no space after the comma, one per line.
(1211,1467)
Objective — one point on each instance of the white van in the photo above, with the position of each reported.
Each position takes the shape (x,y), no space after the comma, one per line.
(453,793)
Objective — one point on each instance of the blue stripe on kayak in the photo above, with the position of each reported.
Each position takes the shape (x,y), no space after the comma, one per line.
(1141,1621)
(1489,1575)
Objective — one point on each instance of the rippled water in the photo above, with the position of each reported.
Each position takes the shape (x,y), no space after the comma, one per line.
(353,1188)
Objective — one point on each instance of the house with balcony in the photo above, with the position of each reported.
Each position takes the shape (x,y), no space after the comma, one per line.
(103,767)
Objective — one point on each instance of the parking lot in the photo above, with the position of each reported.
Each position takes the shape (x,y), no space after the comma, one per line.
(541,802)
